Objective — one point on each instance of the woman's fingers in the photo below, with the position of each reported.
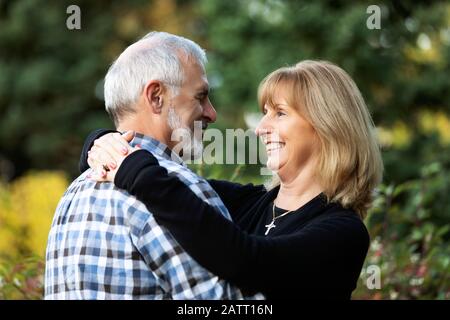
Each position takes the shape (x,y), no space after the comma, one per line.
(103,153)
(107,154)
(102,175)
(113,143)
(120,141)
(115,146)
(100,172)
(96,160)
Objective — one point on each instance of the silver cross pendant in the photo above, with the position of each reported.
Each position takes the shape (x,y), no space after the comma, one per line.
(269,226)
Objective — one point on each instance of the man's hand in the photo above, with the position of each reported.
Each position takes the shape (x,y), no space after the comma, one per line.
(107,154)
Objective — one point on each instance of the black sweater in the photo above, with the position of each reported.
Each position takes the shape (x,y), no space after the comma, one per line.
(315,252)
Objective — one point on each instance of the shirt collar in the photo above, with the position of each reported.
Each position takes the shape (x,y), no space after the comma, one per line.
(156,147)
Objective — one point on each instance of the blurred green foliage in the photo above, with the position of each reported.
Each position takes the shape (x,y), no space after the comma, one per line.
(51,82)
(409,229)
(22,279)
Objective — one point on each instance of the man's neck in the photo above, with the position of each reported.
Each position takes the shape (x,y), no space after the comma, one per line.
(145,129)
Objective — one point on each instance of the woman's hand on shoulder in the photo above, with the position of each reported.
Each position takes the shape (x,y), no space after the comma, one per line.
(107,154)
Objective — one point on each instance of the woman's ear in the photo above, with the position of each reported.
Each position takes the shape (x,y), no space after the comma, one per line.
(154,95)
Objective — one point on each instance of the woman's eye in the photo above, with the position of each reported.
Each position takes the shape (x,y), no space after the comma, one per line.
(279,114)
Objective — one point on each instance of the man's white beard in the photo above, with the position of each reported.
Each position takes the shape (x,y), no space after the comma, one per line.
(189,145)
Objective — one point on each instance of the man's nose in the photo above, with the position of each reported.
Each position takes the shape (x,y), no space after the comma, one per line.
(209,113)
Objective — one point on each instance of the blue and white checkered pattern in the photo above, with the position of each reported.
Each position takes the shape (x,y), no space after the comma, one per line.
(105,244)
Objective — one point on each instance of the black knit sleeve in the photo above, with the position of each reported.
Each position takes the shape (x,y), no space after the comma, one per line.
(83,165)
(237,197)
(252,262)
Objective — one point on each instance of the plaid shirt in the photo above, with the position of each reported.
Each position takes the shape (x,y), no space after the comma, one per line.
(105,244)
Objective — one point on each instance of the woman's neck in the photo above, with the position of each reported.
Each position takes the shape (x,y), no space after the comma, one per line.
(295,191)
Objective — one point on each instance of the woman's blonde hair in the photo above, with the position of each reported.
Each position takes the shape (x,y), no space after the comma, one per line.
(349,165)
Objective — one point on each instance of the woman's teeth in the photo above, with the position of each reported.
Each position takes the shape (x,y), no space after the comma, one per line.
(273,146)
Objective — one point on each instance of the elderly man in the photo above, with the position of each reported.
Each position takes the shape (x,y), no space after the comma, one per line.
(104,243)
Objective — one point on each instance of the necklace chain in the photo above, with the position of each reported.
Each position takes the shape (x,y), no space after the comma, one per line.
(272,224)
(281,215)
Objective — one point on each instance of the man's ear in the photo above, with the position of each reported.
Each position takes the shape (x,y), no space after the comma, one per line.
(154,95)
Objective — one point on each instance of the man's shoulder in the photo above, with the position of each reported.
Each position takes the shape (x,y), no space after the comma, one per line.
(84,186)
(184,173)
(96,203)
(84,191)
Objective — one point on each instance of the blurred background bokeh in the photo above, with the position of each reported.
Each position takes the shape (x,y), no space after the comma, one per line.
(51,82)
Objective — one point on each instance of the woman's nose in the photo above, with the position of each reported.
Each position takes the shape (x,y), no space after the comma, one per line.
(263,127)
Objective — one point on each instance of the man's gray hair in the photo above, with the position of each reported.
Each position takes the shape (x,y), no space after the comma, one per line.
(154,57)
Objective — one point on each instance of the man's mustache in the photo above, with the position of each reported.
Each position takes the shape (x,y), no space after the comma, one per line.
(204,124)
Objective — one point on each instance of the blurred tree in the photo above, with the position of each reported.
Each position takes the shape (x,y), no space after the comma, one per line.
(48,79)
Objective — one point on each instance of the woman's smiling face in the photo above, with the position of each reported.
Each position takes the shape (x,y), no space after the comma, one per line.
(291,141)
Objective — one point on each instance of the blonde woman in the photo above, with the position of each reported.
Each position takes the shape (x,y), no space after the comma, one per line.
(302,238)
